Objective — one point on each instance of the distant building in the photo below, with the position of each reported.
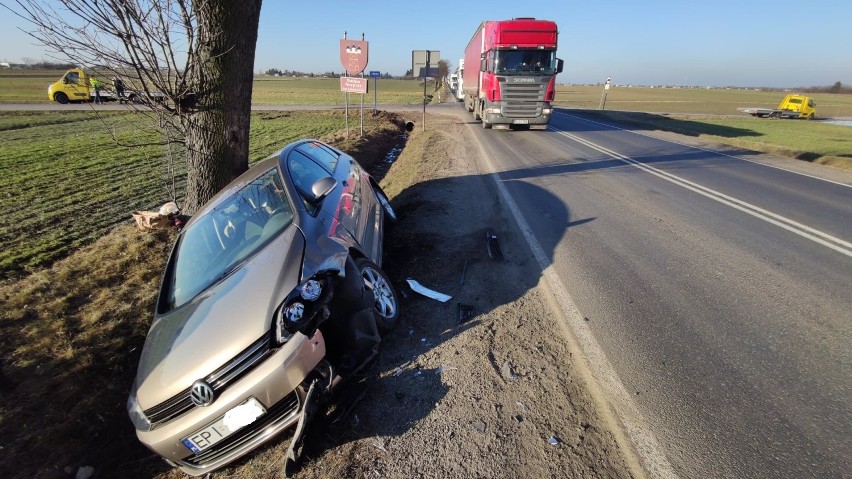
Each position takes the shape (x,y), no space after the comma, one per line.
(5,65)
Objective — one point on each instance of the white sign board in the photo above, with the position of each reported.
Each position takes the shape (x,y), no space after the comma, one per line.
(353,84)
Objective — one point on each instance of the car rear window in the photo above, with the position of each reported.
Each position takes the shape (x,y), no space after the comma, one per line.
(319,153)
(224,237)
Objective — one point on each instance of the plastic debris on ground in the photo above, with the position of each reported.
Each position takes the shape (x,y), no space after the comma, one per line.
(419,288)
(553,441)
(466,312)
(493,246)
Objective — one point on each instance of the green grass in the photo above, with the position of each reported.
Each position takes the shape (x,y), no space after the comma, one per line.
(26,86)
(326,91)
(67,182)
(691,100)
(71,333)
(812,141)
(30,86)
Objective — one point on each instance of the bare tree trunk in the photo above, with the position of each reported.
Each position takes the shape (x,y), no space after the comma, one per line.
(217,128)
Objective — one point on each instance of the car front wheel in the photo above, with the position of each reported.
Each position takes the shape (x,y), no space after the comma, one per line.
(386,305)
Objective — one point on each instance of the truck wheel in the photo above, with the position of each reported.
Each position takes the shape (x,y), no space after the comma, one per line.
(485,124)
(61,98)
(811,116)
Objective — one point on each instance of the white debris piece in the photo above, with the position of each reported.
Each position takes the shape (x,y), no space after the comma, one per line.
(419,288)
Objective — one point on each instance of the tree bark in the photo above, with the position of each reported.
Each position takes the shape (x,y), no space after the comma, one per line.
(219,103)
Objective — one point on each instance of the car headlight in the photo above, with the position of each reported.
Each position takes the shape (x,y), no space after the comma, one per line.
(137,415)
(299,312)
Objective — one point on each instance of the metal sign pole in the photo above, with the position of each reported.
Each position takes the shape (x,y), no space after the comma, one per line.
(346,95)
(605,90)
(362,99)
(375,95)
(425,76)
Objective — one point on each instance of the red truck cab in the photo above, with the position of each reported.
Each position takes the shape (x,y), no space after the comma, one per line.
(515,81)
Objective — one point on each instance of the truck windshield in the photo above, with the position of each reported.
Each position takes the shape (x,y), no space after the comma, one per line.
(524,61)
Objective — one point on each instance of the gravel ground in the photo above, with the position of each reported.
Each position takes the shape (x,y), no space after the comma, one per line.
(495,393)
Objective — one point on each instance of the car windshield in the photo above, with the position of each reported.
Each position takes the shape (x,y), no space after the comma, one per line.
(217,243)
(524,61)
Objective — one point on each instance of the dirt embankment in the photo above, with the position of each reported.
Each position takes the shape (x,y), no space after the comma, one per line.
(494,393)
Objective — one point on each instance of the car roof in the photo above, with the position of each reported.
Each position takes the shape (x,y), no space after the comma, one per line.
(249,175)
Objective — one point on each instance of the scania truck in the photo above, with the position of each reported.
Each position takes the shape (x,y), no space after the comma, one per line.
(510,72)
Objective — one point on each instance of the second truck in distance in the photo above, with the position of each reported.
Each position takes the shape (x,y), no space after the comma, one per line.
(510,72)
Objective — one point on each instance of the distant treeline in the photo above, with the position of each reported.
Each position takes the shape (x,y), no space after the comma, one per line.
(836,88)
(42,65)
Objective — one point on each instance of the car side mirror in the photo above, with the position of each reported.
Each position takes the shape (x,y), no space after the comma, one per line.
(65,81)
(559,65)
(320,189)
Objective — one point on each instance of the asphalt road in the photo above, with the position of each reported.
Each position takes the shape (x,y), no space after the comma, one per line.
(712,293)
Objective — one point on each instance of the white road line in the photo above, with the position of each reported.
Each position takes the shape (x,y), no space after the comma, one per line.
(643,439)
(825,239)
(703,149)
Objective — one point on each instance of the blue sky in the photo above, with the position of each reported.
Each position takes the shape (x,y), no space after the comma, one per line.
(714,42)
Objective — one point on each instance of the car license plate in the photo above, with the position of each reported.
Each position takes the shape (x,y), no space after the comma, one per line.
(521,122)
(233,420)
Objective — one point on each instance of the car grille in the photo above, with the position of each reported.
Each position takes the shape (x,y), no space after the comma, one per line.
(522,100)
(284,409)
(219,380)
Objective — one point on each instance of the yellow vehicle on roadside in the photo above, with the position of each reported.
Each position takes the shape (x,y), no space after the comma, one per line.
(792,106)
(75,85)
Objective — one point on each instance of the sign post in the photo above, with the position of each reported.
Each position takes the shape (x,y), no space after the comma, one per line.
(605,90)
(375,76)
(353,57)
(421,66)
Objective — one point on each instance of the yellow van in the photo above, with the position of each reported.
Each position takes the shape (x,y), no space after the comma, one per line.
(792,106)
(797,105)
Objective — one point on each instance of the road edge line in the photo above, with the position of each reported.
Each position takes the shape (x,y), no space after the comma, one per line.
(601,374)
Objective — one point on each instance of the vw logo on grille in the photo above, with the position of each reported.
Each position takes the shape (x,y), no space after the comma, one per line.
(201,393)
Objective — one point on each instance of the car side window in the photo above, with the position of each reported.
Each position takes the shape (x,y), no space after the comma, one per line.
(319,153)
(304,172)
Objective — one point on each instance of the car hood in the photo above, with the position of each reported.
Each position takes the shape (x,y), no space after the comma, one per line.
(190,342)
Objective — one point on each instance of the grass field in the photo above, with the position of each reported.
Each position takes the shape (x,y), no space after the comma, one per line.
(30,86)
(691,100)
(66,181)
(78,281)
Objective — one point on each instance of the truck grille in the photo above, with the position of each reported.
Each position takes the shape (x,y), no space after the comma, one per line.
(219,380)
(522,100)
